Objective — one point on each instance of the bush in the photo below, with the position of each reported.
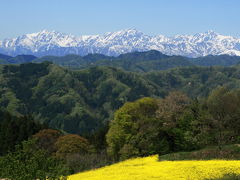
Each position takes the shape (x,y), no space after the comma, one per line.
(228,177)
(71,144)
(47,138)
(81,162)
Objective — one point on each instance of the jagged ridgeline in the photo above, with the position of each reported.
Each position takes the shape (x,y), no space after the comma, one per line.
(115,43)
(81,101)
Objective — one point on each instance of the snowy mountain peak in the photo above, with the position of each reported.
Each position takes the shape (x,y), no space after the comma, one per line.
(41,34)
(130,31)
(45,31)
(125,33)
(114,43)
(208,34)
(211,32)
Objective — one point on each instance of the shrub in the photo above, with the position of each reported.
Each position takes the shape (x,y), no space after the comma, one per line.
(71,144)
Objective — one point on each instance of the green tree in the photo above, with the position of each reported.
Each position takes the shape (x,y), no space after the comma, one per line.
(29,162)
(172,113)
(134,130)
(223,106)
(15,129)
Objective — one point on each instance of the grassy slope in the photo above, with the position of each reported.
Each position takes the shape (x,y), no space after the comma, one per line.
(227,152)
(186,165)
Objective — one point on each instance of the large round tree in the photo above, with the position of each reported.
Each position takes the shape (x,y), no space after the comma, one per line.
(133,131)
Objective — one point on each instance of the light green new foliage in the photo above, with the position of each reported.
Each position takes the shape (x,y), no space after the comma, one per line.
(130,127)
(12,102)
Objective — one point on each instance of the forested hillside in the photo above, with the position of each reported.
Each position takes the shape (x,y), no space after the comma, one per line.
(75,101)
(81,101)
(136,61)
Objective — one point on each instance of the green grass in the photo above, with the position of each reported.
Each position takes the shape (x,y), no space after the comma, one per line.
(213,152)
(228,177)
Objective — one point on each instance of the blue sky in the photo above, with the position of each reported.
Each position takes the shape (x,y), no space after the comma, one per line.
(82,17)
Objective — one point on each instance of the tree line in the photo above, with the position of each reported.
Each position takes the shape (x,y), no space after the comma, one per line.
(175,123)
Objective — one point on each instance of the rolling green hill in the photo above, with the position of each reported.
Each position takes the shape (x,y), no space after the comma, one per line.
(136,61)
(75,101)
(81,101)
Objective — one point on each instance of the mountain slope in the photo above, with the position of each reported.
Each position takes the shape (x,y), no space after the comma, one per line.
(136,61)
(140,61)
(21,59)
(221,60)
(82,101)
(115,43)
(74,101)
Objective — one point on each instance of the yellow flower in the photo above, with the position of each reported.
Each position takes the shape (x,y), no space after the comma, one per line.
(150,168)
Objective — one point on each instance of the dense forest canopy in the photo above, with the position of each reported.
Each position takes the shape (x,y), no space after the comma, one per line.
(82,101)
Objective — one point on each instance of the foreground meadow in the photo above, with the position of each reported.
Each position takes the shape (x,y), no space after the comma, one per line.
(150,168)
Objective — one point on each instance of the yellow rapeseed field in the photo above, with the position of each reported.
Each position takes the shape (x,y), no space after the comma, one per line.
(151,168)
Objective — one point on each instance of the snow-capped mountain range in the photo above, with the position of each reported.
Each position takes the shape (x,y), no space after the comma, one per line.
(114,43)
